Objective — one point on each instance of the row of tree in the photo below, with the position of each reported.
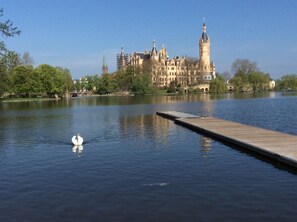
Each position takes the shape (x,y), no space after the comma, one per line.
(248,78)
(19,78)
(44,80)
(132,79)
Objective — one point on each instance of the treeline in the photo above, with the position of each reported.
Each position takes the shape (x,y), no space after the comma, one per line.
(132,79)
(19,78)
(247,77)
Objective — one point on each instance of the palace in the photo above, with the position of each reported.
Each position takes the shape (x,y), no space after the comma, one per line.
(181,71)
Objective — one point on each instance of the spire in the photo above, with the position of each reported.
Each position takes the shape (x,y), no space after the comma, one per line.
(103,60)
(104,66)
(154,50)
(204,35)
(122,51)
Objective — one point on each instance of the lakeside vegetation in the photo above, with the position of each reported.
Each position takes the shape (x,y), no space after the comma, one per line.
(18,77)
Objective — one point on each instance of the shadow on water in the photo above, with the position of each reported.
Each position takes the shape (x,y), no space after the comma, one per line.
(278,165)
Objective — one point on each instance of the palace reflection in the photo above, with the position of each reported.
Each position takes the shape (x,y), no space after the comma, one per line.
(159,128)
(206,144)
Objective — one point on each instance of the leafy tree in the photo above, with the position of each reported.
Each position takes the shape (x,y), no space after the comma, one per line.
(6,30)
(55,80)
(288,82)
(141,84)
(106,84)
(24,81)
(10,60)
(242,68)
(122,80)
(3,79)
(172,87)
(47,74)
(63,81)
(218,85)
(239,83)
(259,81)
(90,82)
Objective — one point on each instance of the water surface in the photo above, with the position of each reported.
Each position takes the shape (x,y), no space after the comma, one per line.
(136,166)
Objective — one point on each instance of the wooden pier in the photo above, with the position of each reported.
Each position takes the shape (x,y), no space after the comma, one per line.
(275,145)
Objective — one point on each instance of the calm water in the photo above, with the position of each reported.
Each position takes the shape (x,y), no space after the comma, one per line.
(136,166)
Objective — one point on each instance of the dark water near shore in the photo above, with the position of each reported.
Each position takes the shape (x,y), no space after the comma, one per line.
(136,166)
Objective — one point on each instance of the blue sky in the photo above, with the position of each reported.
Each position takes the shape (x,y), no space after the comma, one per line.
(76,34)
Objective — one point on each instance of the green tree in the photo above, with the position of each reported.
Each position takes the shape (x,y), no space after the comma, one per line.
(8,61)
(63,80)
(288,82)
(106,84)
(122,80)
(90,82)
(55,80)
(241,69)
(259,81)
(141,84)
(218,85)
(46,74)
(6,30)
(172,87)
(24,81)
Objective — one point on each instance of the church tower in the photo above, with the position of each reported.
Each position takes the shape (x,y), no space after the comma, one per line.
(104,66)
(204,51)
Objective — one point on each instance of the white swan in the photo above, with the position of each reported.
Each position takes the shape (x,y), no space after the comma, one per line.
(77,140)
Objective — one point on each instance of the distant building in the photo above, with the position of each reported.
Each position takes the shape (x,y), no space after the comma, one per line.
(178,70)
(122,59)
(104,66)
(271,84)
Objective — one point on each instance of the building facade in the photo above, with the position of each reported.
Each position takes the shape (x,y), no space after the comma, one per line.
(181,71)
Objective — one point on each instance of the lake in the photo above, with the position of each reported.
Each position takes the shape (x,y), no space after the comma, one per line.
(137,166)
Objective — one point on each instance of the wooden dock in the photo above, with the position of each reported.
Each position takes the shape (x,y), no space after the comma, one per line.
(275,145)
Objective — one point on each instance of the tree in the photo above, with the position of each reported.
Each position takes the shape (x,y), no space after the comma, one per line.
(7,30)
(218,85)
(26,59)
(66,83)
(46,74)
(243,67)
(226,75)
(239,84)
(288,82)
(259,81)
(7,62)
(141,84)
(24,81)
(121,80)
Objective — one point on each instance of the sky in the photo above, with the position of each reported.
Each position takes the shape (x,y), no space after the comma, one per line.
(77,34)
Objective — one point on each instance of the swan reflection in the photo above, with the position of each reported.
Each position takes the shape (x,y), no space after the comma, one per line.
(77,149)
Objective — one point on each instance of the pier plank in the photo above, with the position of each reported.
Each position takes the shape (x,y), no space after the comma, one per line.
(276,145)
